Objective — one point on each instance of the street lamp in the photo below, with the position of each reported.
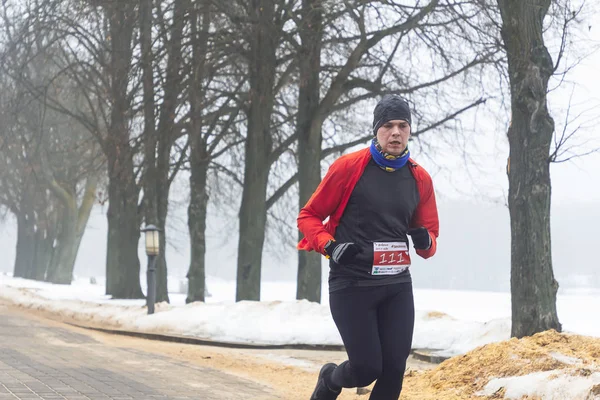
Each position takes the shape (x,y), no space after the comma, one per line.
(152,240)
(152,251)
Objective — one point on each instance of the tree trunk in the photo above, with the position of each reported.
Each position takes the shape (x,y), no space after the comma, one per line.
(533,287)
(162,291)
(65,251)
(199,160)
(151,174)
(71,229)
(122,262)
(309,139)
(25,243)
(253,211)
(35,238)
(85,209)
(197,212)
(44,254)
(165,137)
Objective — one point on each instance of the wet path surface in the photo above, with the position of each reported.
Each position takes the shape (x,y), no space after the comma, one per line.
(43,361)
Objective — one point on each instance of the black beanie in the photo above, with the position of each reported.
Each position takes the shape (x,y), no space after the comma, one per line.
(389,108)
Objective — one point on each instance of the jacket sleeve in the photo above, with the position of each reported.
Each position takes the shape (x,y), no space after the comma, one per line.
(426,215)
(321,205)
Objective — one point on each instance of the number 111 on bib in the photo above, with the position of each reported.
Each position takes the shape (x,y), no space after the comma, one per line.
(390,258)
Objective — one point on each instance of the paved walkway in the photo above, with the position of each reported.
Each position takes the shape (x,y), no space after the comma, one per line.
(39,361)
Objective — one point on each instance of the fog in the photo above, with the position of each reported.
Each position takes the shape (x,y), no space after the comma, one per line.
(473,249)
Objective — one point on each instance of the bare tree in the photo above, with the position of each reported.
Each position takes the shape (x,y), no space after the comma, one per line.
(97,57)
(530,66)
(58,165)
(122,262)
(213,114)
(259,26)
(161,125)
(308,130)
(51,189)
(200,18)
(68,165)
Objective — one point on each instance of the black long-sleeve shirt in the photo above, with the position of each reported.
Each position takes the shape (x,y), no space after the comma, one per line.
(380,209)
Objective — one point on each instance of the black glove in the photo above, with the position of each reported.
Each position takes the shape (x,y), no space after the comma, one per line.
(342,253)
(420,237)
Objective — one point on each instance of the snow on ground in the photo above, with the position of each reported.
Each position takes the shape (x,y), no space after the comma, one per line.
(549,385)
(279,320)
(453,322)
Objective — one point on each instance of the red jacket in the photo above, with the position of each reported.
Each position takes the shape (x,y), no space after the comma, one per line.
(333,193)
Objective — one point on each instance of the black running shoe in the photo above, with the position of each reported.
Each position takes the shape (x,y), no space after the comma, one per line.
(322,392)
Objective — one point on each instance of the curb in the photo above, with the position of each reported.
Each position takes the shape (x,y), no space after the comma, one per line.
(208,342)
(427,356)
(420,354)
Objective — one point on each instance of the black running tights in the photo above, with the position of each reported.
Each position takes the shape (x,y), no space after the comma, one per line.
(376,325)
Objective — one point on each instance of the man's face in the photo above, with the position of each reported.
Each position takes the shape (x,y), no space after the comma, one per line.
(393,136)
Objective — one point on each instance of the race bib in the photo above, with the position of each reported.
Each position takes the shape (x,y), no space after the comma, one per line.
(390,258)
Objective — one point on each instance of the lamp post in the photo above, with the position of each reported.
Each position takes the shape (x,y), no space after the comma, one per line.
(152,251)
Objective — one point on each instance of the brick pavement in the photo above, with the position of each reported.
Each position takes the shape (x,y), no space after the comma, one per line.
(39,361)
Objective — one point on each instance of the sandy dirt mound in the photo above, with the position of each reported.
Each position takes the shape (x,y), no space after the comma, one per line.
(463,376)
